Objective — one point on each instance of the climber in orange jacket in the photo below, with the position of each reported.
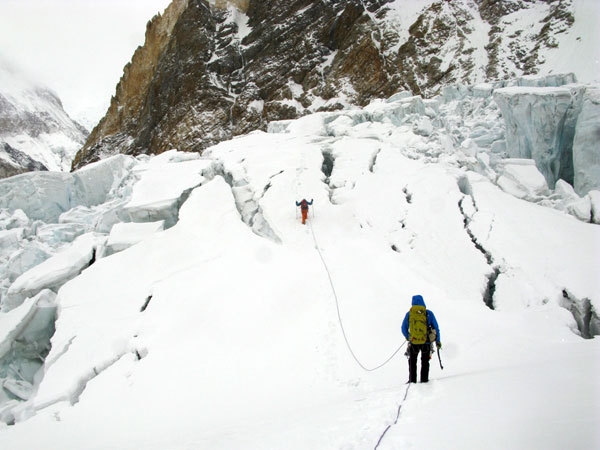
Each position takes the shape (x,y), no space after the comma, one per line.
(303,204)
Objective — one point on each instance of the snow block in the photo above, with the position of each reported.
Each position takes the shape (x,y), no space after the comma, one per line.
(124,235)
(57,234)
(521,178)
(95,181)
(423,126)
(41,195)
(46,195)
(16,219)
(555,80)
(19,262)
(162,189)
(399,96)
(53,272)
(11,238)
(572,203)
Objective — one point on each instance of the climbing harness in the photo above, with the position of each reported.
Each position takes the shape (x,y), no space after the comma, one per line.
(339,315)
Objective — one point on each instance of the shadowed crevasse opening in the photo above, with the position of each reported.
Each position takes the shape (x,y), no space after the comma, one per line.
(490,289)
(586,317)
(21,366)
(327,166)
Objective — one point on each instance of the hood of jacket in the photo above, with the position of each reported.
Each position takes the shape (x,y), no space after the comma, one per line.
(418,300)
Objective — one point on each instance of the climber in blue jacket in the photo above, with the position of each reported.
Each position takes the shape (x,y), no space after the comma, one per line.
(420,328)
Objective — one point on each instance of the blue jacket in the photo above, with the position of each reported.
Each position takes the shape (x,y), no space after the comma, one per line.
(431,321)
(304,203)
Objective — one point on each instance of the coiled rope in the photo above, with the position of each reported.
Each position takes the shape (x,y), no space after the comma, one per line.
(337,305)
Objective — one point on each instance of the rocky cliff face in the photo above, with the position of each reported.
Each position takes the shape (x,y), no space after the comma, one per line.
(213,70)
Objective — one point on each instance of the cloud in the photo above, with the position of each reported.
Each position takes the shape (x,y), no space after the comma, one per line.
(78,48)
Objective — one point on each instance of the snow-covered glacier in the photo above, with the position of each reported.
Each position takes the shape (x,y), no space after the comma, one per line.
(177,301)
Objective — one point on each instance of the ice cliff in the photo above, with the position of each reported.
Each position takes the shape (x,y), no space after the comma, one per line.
(555,122)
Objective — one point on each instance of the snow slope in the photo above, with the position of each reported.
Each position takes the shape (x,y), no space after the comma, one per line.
(580,40)
(233,328)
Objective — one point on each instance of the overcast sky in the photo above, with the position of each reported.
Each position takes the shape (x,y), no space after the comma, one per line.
(76,47)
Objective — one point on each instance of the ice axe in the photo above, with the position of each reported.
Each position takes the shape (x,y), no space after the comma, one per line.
(439,358)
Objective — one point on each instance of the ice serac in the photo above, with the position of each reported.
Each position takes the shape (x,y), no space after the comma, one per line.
(93,183)
(53,272)
(41,195)
(46,195)
(540,125)
(163,187)
(24,343)
(586,144)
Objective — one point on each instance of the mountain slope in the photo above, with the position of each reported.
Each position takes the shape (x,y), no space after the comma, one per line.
(35,131)
(218,70)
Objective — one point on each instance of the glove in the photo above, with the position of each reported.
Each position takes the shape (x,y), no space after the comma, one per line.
(439,344)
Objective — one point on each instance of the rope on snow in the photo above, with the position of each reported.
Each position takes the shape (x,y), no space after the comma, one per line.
(397,417)
(337,305)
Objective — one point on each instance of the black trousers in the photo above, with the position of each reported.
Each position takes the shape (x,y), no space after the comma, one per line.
(413,354)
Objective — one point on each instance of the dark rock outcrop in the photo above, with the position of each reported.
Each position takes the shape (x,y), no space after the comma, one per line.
(213,70)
